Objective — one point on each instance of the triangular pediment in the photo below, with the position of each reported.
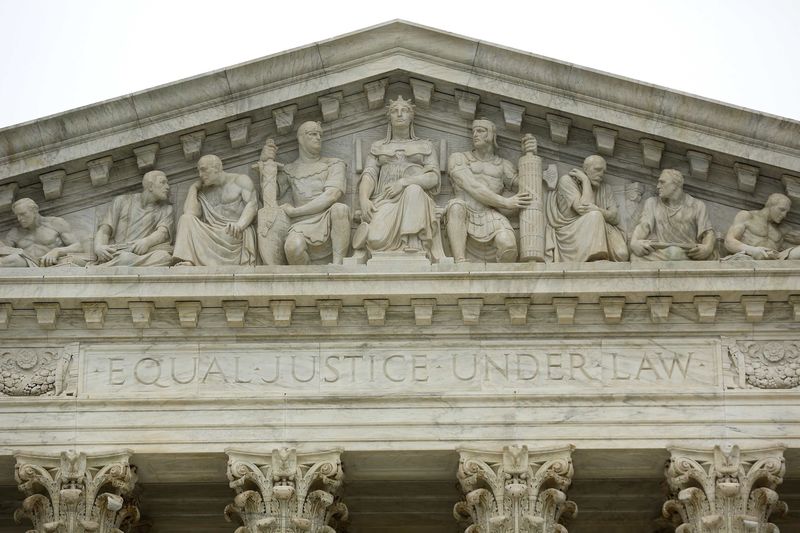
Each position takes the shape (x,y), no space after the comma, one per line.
(733,158)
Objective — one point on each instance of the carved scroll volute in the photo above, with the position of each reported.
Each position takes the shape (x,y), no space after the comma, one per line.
(286,492)
(515,491)
(77,493)
(724,491)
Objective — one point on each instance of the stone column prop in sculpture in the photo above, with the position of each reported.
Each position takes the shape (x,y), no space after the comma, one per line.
(216,226)
(674,226)
(476,217)
(531,218)
(760,235)
(583,218)
(726,490)
(137,229)
(77,493)
(320,224)
(400,178)
(515,491)
(285,492)
(39,240)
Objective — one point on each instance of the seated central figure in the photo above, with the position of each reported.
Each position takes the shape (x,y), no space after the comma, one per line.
(400,175)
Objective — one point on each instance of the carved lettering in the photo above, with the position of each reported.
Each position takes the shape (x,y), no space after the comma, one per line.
(474,368)
(554,362)
(521,376)
(334,377)
(420,362)
(386,368)
(502,370)
(113,371)
(413,368)
(214,364)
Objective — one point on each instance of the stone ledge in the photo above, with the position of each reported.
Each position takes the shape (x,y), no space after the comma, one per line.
(70,287)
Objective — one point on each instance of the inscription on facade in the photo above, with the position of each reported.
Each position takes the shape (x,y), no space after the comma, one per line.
(411,367)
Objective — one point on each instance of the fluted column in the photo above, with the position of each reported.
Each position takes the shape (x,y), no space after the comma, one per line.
(725,490)
(515,491)
(77,493)
(286,492)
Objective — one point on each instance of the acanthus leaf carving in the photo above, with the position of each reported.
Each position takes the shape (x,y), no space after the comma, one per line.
(727,490)
(286,492)
(77,493)
(515,491)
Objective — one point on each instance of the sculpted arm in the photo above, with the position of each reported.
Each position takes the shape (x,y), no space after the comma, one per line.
(329,196)
(158,236)
(366,187)
(71,243)
(735,233)
(640,245)
(248,192)
(463,177)
(101,248)
(431,174)
(191,206)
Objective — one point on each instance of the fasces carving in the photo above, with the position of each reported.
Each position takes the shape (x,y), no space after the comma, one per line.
(516,491)
(286,492)
(216,225)
(583,217)
(137,229)
(760,235)
(319,229)
(674,226)
(476,218)
(76,493)
(39,240)
(33,372)
(768,365)
(400,175)
(728,490)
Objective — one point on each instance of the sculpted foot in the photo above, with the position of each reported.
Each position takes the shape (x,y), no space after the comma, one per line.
(184,264)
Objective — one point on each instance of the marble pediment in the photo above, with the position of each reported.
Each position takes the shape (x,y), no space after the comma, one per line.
(74,163)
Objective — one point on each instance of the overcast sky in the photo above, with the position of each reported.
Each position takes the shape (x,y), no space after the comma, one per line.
(61,54)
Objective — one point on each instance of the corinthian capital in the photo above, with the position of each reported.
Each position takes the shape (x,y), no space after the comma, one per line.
(77,493)
(726,490)
(515,491)
(284,491)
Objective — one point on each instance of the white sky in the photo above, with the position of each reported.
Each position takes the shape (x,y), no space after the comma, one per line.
(61,54)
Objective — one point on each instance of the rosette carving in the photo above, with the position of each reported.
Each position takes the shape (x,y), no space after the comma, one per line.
(515,491)
(767,365)
(77,493)
(286,492)
(724,491)
(32,371)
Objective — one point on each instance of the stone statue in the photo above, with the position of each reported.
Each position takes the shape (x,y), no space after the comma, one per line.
(137,229)
(320,225)
(583,219)
(674,226)
(216,225)
(476,218)
(759,234)
(39,240)
(400,175)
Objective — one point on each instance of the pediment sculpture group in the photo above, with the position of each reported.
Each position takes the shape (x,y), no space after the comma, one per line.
(223,224)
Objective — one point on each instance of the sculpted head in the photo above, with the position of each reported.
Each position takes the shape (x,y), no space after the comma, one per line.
(155,182)
(309,137)
(669,183)
(594,167)
(484,133)
(27,211)
(209,167)
(778,206)
(400,112)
